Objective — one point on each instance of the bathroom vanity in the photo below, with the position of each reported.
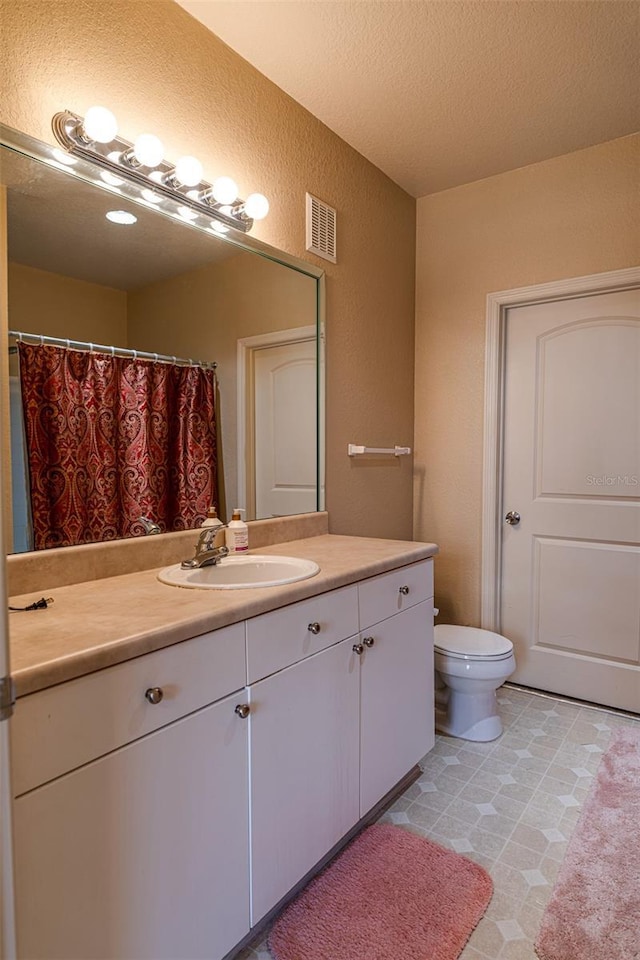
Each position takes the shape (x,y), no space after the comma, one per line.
(167,803)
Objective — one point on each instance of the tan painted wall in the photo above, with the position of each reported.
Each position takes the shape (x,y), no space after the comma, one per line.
(59,306)
(239,297)
(160,70)
(570,216)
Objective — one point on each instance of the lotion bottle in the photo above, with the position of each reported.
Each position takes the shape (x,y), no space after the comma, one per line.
(237,533)
(212,519)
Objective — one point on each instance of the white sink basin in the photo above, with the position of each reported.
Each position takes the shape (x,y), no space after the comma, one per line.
(241,573)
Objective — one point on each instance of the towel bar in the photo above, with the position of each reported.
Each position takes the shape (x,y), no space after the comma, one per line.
(355,450)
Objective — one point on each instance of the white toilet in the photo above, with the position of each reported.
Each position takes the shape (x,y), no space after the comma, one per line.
(470,666)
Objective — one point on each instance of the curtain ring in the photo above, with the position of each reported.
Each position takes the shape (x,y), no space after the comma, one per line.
(155,358)
(90,347)
(135,354)
(113,351)
(68,344)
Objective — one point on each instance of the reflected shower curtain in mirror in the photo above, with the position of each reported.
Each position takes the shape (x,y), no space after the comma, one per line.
(111,439)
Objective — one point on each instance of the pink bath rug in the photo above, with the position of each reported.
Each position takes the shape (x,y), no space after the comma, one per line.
(594,911)
(390,895)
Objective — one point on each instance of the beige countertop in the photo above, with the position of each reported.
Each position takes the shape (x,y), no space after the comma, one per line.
(98,623)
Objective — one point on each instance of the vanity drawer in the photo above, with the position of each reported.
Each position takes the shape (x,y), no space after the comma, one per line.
(56,730)
(276,640)
(382,596)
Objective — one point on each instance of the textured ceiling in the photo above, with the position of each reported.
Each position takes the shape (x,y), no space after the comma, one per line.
(439,92)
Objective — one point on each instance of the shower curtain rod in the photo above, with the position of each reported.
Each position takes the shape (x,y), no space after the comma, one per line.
(113,351)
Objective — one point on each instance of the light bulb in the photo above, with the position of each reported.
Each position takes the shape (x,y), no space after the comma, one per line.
(99,125)
(63,157)
(111,179)
(148,150)
(151,197)
(188,171)
(256,206)
(224,190)
(187,213)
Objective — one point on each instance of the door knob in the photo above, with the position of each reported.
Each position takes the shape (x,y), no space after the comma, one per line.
(243,710)
(358,648)
(368,641)
(314,628)
(154,694)
(513,518)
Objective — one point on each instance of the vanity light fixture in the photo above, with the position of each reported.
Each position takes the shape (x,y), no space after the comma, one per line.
(142,164)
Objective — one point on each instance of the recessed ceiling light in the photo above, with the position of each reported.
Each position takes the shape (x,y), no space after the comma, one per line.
(121,216)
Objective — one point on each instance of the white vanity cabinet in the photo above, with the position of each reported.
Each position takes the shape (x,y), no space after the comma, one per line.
(303,737)
(165,805)
(396,683)
(141,852)
(335,731)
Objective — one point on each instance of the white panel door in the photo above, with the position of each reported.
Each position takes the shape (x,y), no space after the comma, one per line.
(143,853)
(571,565)
(304,769)
(285,407)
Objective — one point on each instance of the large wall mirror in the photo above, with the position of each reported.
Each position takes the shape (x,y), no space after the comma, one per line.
(172,288)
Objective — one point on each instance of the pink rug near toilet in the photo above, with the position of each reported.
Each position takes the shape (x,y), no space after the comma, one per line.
(390,895)
(594,911)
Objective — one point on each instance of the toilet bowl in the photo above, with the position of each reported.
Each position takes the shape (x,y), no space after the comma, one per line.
(470,666)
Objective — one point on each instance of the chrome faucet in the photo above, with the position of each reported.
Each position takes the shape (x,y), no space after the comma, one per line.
(206,550)
(149,525)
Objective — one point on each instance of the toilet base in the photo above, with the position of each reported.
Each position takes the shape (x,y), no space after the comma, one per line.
(481,732)
(470,716)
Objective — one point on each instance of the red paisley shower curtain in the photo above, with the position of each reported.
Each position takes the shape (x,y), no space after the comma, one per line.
(110,439)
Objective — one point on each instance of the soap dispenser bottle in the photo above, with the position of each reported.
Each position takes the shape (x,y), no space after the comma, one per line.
(237,533)
(212,519)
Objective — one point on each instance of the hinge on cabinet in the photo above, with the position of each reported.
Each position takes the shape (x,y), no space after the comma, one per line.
(7,697)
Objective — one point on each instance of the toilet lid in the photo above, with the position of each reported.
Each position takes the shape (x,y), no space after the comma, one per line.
(471,642)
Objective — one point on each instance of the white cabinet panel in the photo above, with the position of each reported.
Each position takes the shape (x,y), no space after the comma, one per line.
(55,730)
(304,769)
(142,854)
(389,593)
(396,700)
(277,639)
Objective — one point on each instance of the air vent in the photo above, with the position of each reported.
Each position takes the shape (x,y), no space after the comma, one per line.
(321,229)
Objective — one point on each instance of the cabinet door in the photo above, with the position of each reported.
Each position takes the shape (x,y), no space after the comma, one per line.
(304,769)
(143,853)
(396,700)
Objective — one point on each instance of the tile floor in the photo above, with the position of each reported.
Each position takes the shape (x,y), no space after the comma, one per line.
(511,805)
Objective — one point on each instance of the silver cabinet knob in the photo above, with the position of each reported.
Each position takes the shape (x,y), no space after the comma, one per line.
(368,641)
(404,591)
(243,710)
(358,648)
(154,694)
(512,518)
(314,627)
